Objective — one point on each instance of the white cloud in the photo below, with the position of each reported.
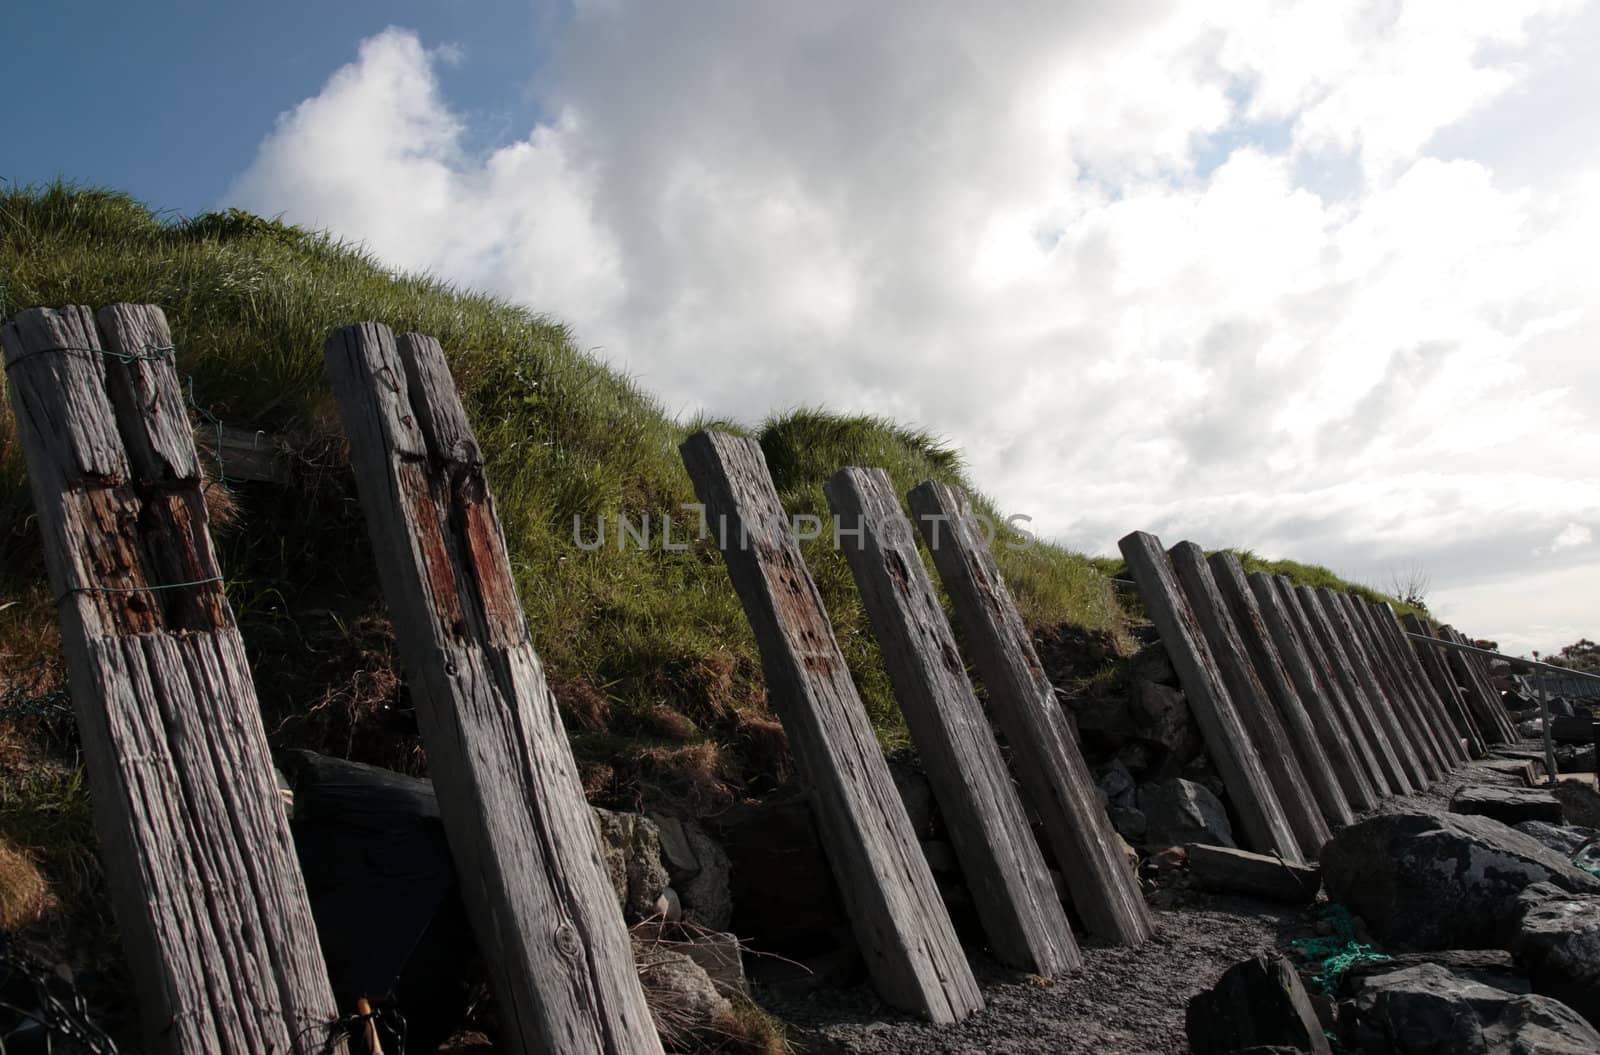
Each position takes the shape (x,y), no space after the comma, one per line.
(1570,537)
(1096,245)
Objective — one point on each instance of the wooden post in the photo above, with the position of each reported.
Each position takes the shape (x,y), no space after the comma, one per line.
(1393,688)
(1011,887)
(525,846)
(1316,695)
(1273,745)
(207,894)
(1445,685)
(1270,668)
(1357,690)
(901,923)
(1038,731)
(1486,702)
(1335,692)
(1250,789)
(1431,711)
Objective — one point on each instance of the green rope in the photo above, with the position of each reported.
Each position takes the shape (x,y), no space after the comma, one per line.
(151,353)
(1337,952)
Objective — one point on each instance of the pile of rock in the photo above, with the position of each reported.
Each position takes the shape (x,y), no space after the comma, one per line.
(1504,929)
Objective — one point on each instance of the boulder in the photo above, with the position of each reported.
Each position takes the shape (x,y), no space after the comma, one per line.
(1507,805)
(1117,786)
(1495,968)
(1564,839)
(708,895)
(1161,716)
(1558,941)
(1179,811)
(631,845)
(1561,707)
(1131,824)
(1441,882)
(1234,871)
(683,999)
(1575,758)
(1427,1010)
(917,795)
(1151,663)
(1579,802)
(1257,1003)
(1532,729)
(1573,730)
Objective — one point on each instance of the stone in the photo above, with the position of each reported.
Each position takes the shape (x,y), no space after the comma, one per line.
(1105,723)
(1573,730)
(1427,1010)
(1575,758)
(1532,729)
(1151,663)
(1579,802)
(631,844)
(1131,824)
(1233,871)
(1561,707)
(1558,941)
(1507,805)
(917,794)
(668,907)
(1118,787)
(683,999)
(708,895)
(1161,716)
(1179,811)
(1441,882)
(1564,839)
(1491,967)
(1257,1003)
(676,854)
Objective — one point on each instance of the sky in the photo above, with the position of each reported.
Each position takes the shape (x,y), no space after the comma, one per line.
(1312,278)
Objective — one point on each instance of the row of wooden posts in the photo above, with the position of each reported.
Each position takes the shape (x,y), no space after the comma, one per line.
(1312,706)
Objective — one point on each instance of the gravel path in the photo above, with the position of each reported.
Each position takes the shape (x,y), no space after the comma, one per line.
(1120,1002)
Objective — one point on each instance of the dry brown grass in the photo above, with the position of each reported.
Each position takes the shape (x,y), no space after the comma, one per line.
(25,895)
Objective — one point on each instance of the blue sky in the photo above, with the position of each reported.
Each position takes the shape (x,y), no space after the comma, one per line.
(169,101)
(1312,277)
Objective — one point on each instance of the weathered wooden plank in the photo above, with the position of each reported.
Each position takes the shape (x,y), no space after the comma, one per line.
(1257,875)
(1315,694)
(199,862)
(1356,690)
(1249,787)
(1043,747)
(1431,708)
(1269,666)
(900,920)
(1010,884)
(1486,704)
(1483,718)
(1394,691)
(1272,743)
(1480,671)
(1444,684)
(1335,693)
(1377,693)
(534,882)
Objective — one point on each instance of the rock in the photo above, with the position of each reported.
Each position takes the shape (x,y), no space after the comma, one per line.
(1234,871)
(1161,716)
(708,897)
(1507,805)
(1151,663)
(1579,802)
(1441,882)
(1427,1010)
(631,844)
(1519,768)
(1257,1003)
(668,906)
(676,854)
(1558,941)
(1564,839)
(784,896)
(1572,758)
(917,794)
(1560,707)
(1118,787)
(1532,729)
(683,999)
(1129,823)
(1492,967)
(1180,811)
(1105,723)
(1573,730)
(719,954)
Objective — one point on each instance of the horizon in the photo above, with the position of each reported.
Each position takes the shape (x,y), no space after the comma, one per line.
(1308,285)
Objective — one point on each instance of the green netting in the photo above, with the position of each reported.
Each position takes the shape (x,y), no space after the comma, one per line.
(1339,951)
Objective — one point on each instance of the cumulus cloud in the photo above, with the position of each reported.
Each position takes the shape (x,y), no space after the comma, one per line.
(1206,272)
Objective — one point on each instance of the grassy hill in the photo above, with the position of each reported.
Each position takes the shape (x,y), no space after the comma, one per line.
(648,650)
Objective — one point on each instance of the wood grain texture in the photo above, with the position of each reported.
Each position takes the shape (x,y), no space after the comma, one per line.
(524,842)
(1435,664)
(1430,708)
(1043,747)
(1357,691)
(1486,705)
(199,863)
(1316,694)
(1000,861)
(1272,742)
(1271,670)
(1393,688)
(1250,789)
(900,921)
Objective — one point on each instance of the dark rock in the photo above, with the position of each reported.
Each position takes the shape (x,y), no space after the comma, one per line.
(1180,811)
(917,795)
(1572,758)
(1531,729)
(1573,730)
(683,999)
(1558,941)
(1118,787)
(1234,871)
(1441,882)
(1152,664)
(1161,716)
(1131,824)
(1507,805)
(1257,1003)
(1492,967)
(1427,1010)
(1560,707)
(1564,839)
(1579,802)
